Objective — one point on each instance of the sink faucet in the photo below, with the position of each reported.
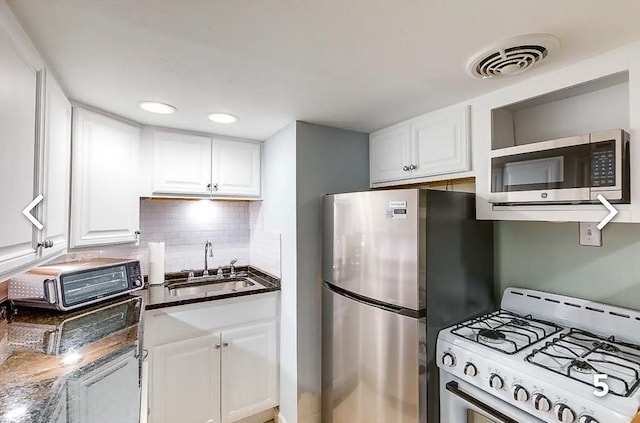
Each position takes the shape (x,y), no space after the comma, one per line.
(208,252)
(233,269)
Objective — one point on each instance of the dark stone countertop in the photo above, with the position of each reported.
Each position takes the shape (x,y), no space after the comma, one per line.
(51,362)
(159,296)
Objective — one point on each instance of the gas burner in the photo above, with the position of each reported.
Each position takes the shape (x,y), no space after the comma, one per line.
(606,347)
(492,335)
(579,354)
(505,331)
(582,366)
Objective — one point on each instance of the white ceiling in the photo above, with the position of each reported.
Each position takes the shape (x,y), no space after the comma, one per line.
(360,65)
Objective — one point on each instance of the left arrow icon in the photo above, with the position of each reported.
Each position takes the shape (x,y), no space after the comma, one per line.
(31,206)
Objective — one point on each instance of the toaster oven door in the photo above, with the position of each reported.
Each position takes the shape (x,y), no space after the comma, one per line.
(89,286)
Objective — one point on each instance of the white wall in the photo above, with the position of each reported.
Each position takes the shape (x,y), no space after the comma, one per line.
(278,214)
(329,160)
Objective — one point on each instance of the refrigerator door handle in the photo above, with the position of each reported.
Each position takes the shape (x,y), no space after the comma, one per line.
(361,299)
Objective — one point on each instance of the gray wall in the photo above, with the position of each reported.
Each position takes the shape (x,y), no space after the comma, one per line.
(546,256)
(278,215)
(328,160)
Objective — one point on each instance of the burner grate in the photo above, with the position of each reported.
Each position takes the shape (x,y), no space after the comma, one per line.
(579,355)
(505,331)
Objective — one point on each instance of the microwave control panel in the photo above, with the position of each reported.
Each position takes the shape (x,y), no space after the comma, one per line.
(603,164)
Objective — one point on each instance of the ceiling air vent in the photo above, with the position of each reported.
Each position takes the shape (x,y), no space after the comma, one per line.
(512,56)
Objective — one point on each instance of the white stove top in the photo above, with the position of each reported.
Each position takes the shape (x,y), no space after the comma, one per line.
(541,352)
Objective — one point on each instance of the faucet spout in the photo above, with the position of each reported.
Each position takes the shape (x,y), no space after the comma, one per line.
(208,252)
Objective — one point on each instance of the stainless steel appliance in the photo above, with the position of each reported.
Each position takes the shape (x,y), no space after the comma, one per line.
(542,358)
(70,285)
(398,266)
(565,171)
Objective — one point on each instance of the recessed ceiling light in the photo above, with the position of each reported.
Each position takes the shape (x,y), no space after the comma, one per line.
(157,107)
(222,118)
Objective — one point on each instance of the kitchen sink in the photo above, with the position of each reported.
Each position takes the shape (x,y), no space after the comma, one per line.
(213,285)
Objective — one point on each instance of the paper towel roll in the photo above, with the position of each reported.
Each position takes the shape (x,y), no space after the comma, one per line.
(156,263)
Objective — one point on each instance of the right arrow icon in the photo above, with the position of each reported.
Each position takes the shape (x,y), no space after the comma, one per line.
(612,212)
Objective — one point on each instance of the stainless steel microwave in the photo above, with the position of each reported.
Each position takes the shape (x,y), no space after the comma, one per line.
(565,171)
(71,285)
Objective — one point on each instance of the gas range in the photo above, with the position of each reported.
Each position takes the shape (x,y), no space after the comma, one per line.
(542,358)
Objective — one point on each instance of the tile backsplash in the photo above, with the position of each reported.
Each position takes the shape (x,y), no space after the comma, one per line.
(185,226)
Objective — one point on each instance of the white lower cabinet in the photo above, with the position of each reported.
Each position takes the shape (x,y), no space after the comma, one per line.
(105,394)
(213,362)
(186,377)
(249,381)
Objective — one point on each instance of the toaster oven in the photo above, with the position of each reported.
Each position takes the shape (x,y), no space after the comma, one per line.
(71,285)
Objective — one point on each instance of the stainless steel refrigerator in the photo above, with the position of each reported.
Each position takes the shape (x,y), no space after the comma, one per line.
(398,266)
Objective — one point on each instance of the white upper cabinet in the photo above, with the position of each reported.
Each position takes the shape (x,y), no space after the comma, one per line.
(104,189)
(198,165)
(421,149)
(57,161)
(440,144)
(236,168)
(181,163)
(19,142)
(34,154)
(390,154)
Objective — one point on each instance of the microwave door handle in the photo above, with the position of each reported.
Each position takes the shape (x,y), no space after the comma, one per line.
(455,389)
(50,291)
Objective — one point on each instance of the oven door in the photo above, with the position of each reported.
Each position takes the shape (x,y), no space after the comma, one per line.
(91,286)
(461,402)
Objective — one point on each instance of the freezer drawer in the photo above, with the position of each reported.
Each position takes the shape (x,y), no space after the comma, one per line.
(371,364)
(371,245)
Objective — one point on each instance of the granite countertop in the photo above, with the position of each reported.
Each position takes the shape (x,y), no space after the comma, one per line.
(49,360)
(160,296)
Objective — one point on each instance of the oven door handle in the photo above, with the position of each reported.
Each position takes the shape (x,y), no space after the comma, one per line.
(454,389)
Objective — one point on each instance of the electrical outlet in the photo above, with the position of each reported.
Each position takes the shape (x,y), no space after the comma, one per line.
(590,235)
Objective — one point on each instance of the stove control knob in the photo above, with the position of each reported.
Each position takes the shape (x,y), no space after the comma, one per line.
(564,413)
(496,381)
(541,403)
(448,360)
(587,419)
(470,370)
(520,394)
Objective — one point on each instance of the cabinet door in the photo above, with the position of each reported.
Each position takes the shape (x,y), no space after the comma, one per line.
(104,194)
(249,371)
(181,163)
(56,167)
(441,144)
(185,381)
(390,154)
(108,394)
(19,141)
(236,168)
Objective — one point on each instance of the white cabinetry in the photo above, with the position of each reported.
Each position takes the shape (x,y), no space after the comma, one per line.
(390,154)
(186,381)
(57,163)
(422,148)
(249,378)
(197,165)
(34,153)
(236,168)
(107,394)
(182,163)
(213,362)
(104,189)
